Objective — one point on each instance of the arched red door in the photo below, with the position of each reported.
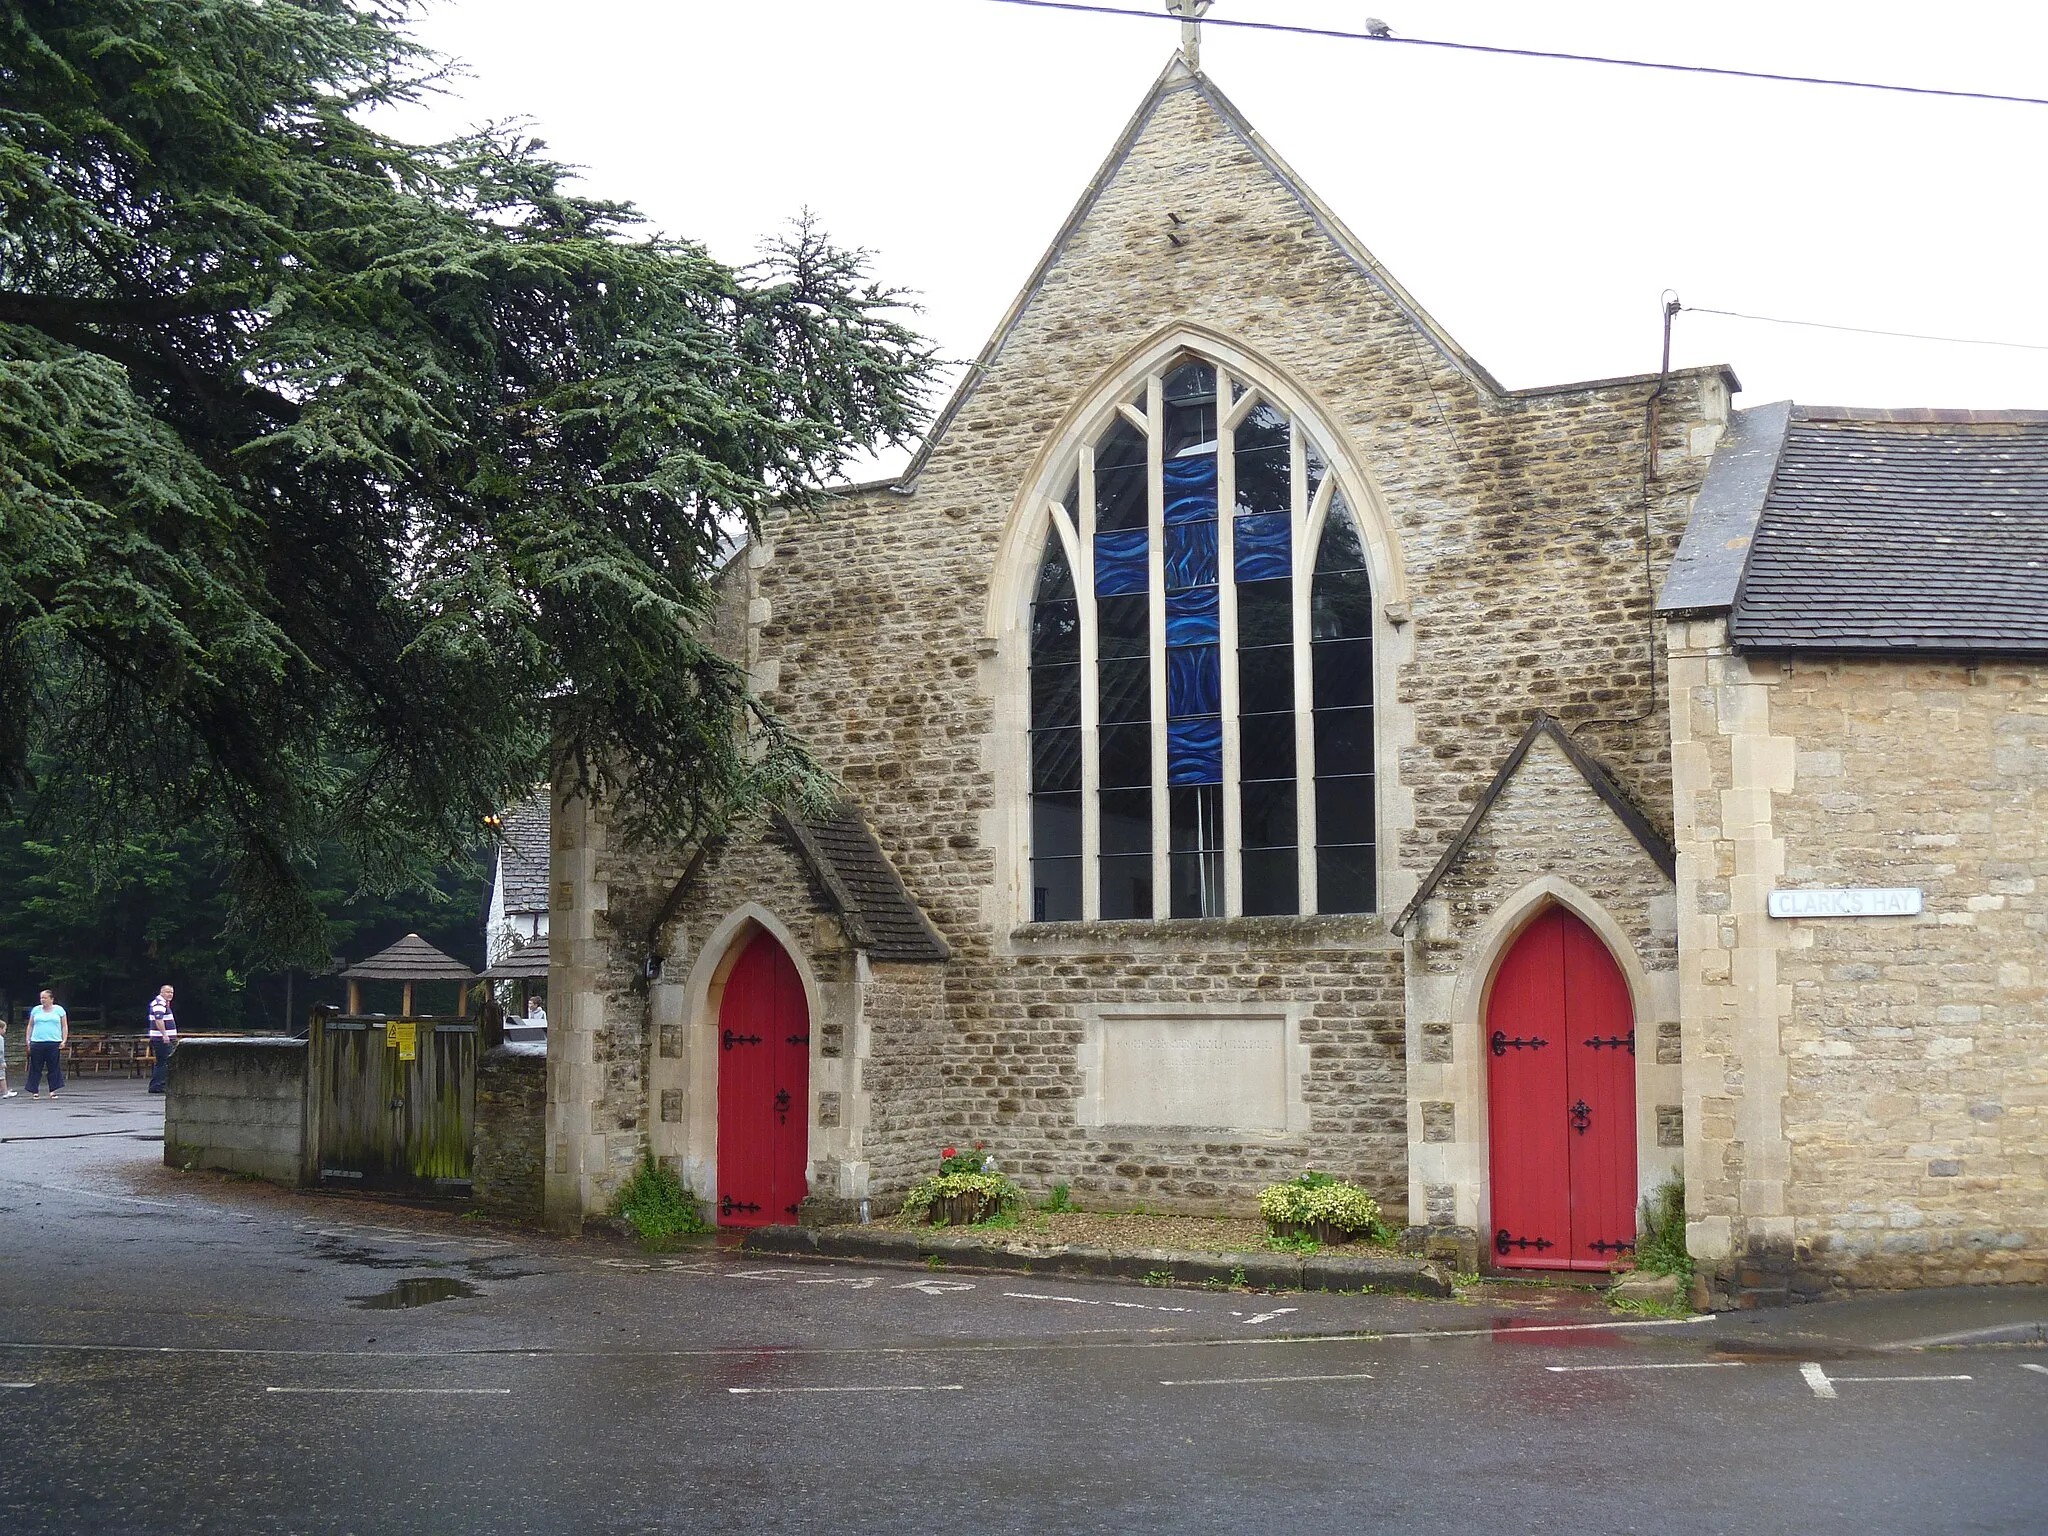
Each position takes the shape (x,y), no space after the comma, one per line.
(1561,1090)
(764,1088)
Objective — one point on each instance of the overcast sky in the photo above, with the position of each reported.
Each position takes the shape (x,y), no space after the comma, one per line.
(1537,209)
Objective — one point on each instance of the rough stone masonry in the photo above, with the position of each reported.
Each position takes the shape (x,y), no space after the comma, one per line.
(1508,535)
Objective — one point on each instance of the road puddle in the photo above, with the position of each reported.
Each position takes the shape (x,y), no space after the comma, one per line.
(420,1291)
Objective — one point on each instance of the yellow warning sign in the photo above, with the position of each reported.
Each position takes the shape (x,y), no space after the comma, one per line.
(405,1034)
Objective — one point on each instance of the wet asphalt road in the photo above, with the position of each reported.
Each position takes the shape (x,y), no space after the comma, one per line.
(183,1353)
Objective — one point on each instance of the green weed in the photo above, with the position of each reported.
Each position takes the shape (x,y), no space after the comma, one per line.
(658,1207)
(1660,1248)
(1676,1308)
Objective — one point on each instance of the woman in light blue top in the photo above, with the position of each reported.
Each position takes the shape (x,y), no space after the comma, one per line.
(49,1027)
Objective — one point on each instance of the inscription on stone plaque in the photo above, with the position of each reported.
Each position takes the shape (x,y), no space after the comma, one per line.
(1181,1071)
(1848,901)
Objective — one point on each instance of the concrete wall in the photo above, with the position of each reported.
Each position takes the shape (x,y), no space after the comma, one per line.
(238,1105)
(1864,1097)
(508,1144)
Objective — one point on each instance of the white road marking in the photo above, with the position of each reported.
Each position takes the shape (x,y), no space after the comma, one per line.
(15,1386)
(1902,1378)
(1264,1381)
(1675,1365)
(394,1391)
(2030,1366)
(935,1287)
(1267,1317)
(1094,1301)
(1817,1379)
(1008,1347)
(98,1194)
(865,1282)
(1508,1330)
(764,1391)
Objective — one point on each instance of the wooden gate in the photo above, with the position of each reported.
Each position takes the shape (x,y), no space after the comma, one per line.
(1561,1082)
(384,1121)
(764,1088)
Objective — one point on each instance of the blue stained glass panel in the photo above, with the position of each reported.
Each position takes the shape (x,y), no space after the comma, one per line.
(1263,547)
(1190,486)
(1191,617)
(1190,555)
(1120,562)
(1194,751)
(1194,681)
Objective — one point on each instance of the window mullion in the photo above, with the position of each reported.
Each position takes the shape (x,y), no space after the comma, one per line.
(1226,638)
(1304,560)
(1091,768)
(1155,566)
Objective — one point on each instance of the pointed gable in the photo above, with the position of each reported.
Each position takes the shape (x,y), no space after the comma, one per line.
(1648,838)
(1192,204)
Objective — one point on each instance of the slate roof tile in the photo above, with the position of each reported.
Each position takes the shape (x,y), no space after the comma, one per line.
(881,915)
(1902,531)
(523,854)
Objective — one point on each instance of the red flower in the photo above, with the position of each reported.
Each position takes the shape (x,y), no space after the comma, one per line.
(949,1152)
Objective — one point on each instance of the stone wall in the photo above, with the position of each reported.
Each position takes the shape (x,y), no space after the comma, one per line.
(887,632)
(507,1150)
(1868,1093)
(238,1106)
(1548,839)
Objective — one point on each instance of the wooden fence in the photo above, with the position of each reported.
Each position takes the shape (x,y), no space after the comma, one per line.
(391,1103)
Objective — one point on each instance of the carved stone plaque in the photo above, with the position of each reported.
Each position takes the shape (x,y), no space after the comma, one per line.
(1195,1071)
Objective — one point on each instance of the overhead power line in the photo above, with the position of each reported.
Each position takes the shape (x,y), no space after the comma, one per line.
(1532,53)
(1864,330)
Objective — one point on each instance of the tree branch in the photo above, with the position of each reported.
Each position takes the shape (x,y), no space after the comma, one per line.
(160,365)
(42,310)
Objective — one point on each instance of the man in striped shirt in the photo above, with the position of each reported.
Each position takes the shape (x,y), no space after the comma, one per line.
(163,1036)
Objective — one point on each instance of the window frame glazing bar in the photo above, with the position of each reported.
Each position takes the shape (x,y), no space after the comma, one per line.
(1299,598)
(1226,640)
(1155,573)
(1081,561)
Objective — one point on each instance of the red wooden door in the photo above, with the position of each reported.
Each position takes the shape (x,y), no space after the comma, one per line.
(764,1088)
(1561,1088)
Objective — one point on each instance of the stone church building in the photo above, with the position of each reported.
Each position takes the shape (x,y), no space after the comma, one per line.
(1268,742)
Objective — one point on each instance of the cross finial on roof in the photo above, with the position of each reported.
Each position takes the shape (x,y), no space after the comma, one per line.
(1190,13)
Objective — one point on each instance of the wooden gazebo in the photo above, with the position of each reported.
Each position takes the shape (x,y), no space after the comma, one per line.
(411,959)
(526,965)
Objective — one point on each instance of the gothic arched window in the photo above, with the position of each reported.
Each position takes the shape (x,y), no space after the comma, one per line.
(1201,685)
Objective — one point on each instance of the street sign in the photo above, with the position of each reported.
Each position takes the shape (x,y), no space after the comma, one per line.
(1847,901)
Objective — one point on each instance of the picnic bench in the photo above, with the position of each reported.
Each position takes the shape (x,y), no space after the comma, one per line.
(108,1056)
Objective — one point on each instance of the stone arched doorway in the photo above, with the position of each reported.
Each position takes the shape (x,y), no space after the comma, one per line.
(1559,1036)
(763,1053)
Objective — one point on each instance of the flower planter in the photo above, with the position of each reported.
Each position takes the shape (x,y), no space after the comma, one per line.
(962,1210)
(1321,1231)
